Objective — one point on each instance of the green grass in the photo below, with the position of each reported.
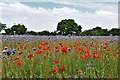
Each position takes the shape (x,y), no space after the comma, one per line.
(0,69)
(0,57)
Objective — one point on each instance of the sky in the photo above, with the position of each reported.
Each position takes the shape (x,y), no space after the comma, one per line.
(39,15)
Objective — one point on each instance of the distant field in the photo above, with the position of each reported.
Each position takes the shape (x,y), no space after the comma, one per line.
(60,57)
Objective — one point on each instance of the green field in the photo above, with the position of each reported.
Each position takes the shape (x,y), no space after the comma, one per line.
(65,58)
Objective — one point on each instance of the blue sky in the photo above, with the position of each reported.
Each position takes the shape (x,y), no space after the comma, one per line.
(64,0)
(41,15)
(51,5)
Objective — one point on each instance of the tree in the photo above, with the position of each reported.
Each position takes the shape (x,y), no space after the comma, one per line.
(97,28)
(69,26)
(8,31)
(104,32)
(19,29)
(53,33)
(87,32)
(115,31)
(45,32)
(97,31)
(32,33)
(2,26)
(79,32)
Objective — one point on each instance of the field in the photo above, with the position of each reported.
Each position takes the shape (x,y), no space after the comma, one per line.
(60,57)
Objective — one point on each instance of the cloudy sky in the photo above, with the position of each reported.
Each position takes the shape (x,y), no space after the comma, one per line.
(45,14)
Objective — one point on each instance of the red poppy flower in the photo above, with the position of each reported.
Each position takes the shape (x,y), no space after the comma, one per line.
(45,57)
(91,44)
(56,61)
(11,60)
(95,51)
(96,56)
(43,49)
(61,68)
(39,52)
(30,56)
(64,49)
(85,51)
(19,63)
(112,57)
(32,46)
(60,43)
(16,58)
(40,47)
(57,50)
(78,49)
(54,70)
(87,55)
(108,49)
(105,46)
(117,52)
(105,53)
(48,48)
(45,43)
(56,47)
(82,56)
(93,56)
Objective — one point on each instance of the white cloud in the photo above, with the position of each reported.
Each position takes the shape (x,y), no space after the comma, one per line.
(101,12)
(39,19)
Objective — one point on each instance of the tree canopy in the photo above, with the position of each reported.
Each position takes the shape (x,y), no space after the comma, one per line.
(2,26)
(97,31)
(69,26)
(114,31)
(16,29)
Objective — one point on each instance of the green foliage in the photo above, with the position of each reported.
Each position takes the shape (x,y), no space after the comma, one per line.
(31,33)
(68,27)
(97,28)
(19,29)
(97,31)
(87,32)
(2,26)
(45,32)
(16,29)
(114,31)
(8,31)
(53,33)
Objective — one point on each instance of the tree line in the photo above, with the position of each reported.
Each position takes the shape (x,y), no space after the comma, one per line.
(64,27)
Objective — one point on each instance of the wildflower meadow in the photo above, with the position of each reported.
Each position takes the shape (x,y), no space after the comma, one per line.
(59,56)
